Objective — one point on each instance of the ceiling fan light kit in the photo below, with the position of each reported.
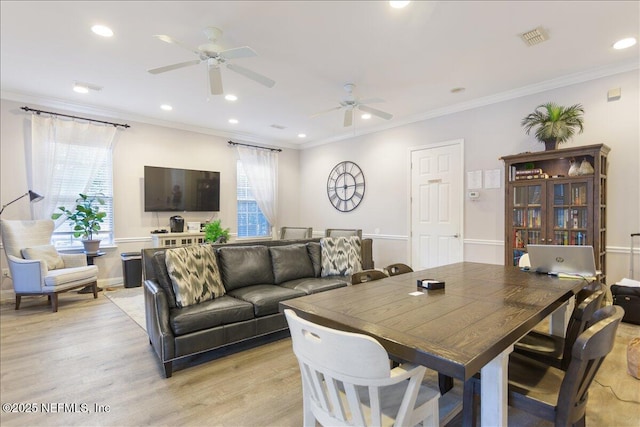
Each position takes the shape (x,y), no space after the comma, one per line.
(214,56)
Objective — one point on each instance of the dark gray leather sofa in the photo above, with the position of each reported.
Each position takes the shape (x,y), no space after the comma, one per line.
(256,276)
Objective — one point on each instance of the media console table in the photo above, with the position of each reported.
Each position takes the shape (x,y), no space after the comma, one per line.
(161,240)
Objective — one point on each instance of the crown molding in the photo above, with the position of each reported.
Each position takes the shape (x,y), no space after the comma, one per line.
(102,113)
(556,83)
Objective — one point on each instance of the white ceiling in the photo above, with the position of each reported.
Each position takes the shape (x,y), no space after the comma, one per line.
(411,58)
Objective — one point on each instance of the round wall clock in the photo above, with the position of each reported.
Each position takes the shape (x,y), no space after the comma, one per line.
(345,186)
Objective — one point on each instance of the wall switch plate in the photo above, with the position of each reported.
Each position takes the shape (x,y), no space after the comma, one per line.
(5,272)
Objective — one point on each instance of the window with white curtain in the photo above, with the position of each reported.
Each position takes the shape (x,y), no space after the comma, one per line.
(102,183)
(251,220)
(70,157)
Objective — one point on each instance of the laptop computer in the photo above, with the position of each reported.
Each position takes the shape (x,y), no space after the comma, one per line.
(562,260)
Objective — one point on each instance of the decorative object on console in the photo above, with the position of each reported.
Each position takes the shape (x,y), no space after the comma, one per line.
(86,219)
(574,169)
(345,186)
(586,168)
(555,124)
(33,197)
(214,233)
(176,223)
(583,168)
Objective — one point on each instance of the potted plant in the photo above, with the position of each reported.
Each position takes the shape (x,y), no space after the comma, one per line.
(214,233)
(555,124)
(86,219)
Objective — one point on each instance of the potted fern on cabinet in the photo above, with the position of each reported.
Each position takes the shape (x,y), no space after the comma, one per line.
(554,124)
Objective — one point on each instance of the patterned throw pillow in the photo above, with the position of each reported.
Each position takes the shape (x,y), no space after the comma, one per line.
(46,253)
(340,256)
(194,274)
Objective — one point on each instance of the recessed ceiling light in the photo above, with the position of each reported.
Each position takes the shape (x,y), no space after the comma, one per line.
(231,97)
(457,90)
(302,135)
(80,88)
(233,121)
(398,4)
(102,30)
(166,107)
(366,116)
(625,43)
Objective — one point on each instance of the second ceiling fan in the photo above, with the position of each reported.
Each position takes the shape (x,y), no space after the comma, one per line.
(215,56)
(350,102)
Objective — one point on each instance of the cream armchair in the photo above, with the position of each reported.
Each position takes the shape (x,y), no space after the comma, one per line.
(37,268)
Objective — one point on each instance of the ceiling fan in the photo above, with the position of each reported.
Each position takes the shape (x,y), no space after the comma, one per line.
(350,102)
(214,56)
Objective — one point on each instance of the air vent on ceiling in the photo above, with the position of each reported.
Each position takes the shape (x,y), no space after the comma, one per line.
(535,36)
(278,127)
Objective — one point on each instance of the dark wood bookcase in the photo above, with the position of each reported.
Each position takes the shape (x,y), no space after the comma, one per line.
(544,205)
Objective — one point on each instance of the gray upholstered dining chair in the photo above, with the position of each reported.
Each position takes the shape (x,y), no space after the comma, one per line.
(550,393)
(347,381)
(37,268)
(296,232)
(343,232)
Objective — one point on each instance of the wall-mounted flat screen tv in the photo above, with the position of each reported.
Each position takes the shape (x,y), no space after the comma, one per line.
(183,190)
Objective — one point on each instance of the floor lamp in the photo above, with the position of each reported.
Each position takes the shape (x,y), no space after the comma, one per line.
(33,197)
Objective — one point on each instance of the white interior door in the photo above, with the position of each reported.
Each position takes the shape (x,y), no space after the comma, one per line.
(436,205)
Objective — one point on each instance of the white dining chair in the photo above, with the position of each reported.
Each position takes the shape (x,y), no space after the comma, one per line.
(347,381)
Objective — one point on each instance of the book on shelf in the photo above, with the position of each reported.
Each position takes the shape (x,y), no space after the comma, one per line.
(536,171)
(535,176)
(579,195)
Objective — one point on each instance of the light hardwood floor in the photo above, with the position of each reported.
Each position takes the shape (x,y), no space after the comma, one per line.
(91,353)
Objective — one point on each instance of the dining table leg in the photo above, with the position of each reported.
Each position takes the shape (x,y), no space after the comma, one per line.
(494,377)
(560,319)
(445,383)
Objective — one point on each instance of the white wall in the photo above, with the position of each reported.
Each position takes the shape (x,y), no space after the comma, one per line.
(488,132)
(141,144)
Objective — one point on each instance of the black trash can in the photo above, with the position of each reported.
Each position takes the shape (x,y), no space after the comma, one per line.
(131,269)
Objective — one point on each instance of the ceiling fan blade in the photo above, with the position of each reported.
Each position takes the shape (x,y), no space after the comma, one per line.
(173,67)
(252,75)
(324,112)
(348,117)
(375,112)
(215,80)
(371,101)
(238,52)
(169,39)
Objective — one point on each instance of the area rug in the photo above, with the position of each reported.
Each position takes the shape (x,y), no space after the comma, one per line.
(130,301)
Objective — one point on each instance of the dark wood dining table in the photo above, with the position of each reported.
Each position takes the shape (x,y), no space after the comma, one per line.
(469,326)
